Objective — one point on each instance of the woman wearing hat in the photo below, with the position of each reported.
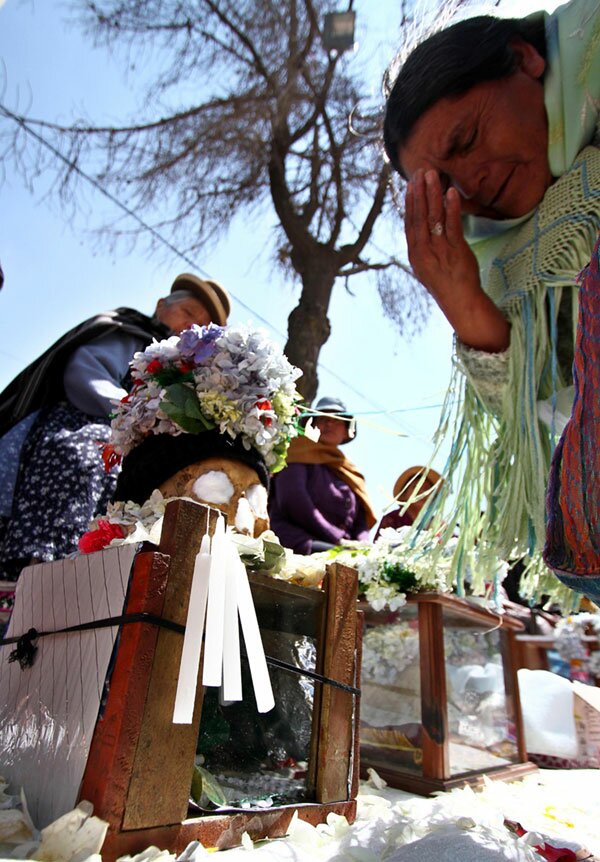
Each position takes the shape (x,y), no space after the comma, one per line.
(417,485)
(54,415)
(321,498)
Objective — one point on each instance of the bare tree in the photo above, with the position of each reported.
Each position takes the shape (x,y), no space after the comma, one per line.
(267,121)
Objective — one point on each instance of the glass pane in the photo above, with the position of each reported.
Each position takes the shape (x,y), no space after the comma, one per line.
(480,717)
(390,709)
(264,759)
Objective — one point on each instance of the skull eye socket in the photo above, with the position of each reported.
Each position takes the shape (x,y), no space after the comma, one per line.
(257,498)
(213,487)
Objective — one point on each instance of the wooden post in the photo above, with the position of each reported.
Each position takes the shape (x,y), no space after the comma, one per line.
(509,650)
(164,760)
(360,627)
(337,706)
(110,762)
(434,702)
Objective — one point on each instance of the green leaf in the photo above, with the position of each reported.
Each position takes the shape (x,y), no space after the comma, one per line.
(192,426)
(403,578)
(177,394)
(192,408)
(171,376)
(196,791)
(181,405)
(274,555)
(205,784)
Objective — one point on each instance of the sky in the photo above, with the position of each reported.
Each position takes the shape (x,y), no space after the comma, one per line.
(57,273)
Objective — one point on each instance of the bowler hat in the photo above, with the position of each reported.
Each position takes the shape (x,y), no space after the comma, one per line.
(210,293)
(327,404)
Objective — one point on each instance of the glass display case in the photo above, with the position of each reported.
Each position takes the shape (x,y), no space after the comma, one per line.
(440,702)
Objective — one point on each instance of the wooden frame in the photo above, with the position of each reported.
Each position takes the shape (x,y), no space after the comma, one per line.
(531,651)
(140,765)
(435,773)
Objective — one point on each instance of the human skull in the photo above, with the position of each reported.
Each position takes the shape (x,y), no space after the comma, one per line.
(231,486)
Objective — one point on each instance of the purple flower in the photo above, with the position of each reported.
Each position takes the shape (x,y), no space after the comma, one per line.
(198,342)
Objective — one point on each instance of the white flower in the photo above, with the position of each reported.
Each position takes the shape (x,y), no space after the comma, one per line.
(400,561)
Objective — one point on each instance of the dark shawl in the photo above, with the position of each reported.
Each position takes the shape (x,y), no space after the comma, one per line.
(41,383)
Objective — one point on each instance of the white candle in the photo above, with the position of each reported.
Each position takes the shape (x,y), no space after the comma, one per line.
(232,669)
(215,614)
(192,643)
(254,648)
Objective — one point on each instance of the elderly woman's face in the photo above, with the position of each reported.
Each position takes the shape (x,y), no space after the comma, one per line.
(182,314)
(489,143)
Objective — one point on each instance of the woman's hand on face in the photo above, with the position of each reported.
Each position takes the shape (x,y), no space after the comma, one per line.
(437,250)
(443,262)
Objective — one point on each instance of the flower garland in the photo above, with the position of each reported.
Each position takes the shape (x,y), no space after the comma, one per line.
(400,562)
(126,523)
(210,377)
(387,570)
(130,523)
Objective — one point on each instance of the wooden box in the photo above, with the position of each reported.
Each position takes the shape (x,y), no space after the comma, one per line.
(440,699)
(532,653)
(136,765)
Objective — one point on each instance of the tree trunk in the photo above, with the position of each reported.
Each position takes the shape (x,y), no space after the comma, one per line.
(309,327)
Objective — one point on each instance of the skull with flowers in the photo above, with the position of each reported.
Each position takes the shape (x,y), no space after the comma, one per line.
(212,381)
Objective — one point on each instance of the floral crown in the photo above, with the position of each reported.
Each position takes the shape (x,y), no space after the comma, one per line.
(229,378)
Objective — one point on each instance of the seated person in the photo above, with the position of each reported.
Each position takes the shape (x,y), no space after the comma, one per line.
(423,478)
(54,416)
(320,498)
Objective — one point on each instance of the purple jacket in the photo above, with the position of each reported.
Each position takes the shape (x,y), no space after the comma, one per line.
(309,502)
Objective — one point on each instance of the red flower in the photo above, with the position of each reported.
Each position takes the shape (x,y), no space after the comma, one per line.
(548,851)
(96,540)
(186,366)
(154,367)
(264,405)
(267,421)
(109,456)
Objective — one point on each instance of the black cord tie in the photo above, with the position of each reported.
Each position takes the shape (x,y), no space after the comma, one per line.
(26,649)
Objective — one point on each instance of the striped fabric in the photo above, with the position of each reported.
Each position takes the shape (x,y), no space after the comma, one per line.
(573,504)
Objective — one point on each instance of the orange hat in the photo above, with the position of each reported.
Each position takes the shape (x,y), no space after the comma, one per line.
(404,478)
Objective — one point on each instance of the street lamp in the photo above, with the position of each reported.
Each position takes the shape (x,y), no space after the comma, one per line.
(338,31)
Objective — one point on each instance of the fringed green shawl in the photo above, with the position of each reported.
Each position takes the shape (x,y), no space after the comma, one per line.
(499,461)
(500,456)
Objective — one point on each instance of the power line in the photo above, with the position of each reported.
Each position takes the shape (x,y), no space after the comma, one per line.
(22,123)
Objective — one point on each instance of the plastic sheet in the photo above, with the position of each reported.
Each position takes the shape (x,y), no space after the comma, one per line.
(48,711)
(547,704)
